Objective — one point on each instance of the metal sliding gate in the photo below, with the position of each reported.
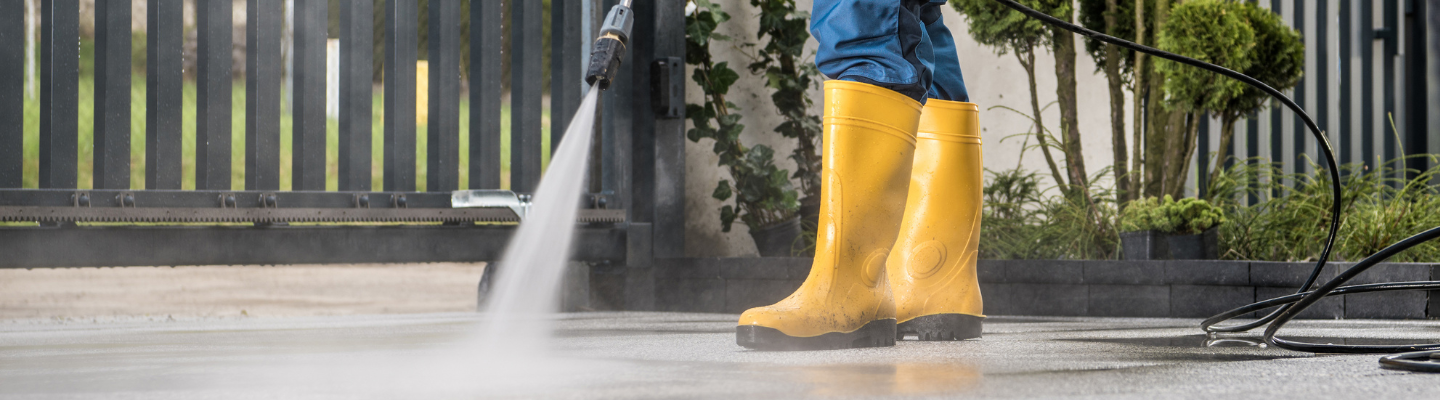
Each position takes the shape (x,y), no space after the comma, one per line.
(636,190)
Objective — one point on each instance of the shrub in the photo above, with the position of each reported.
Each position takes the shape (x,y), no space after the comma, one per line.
(1011,220)
(1378,210)
(1019,222)
(1186,216)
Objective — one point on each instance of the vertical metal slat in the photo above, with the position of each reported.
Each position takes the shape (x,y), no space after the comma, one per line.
(12,93)
(486,19)
(262,94)
(1202,167)
(357,48)
(1415,120)
(308,118)
(443,128)
(112,95)
(1367,83)
(400,42)
(212,94)
(164,74)
(59,77)
(1347,152)
(642,116)
(617,124)
(1277,145)
(1301,132)
(1252,147)
(564,67)
(1392,50)
(669,192)
(525,57)
(1322,74)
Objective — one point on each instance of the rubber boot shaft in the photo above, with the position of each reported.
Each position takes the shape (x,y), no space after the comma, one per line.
(931,270)
(869,147)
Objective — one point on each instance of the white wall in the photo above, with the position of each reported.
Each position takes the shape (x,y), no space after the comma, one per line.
(992,80)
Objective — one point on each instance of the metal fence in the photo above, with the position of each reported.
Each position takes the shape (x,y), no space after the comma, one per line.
(638,165)
(1365,61)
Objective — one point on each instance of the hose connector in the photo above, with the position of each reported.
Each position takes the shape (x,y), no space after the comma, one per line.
(609,47)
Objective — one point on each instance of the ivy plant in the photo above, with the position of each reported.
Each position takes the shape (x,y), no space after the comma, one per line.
(763,193)
(790,76)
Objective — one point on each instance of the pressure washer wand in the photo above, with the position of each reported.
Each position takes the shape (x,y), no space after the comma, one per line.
(609,48)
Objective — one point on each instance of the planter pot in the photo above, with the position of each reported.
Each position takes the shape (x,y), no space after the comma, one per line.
(1203,246)
(810,210)
(775,240)
(1144,245)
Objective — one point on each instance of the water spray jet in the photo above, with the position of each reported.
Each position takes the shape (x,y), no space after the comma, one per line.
(522,302)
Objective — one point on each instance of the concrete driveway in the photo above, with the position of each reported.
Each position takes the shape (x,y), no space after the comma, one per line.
(668,355)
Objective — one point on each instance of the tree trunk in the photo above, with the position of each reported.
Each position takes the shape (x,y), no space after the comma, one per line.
(1227,132)
(1181,153)
(1166,136)
(1064,43)
(1157,138)
(1117,108)
(1027,61)
(1140,81)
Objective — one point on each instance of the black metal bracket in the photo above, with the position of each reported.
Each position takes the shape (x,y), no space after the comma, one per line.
(667,87)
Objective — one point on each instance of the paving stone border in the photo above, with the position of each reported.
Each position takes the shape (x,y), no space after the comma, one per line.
(1175,288)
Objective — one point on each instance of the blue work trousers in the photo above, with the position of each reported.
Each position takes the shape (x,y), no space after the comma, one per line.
(902,45)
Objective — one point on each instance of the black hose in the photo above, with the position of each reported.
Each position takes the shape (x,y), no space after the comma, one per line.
(1292,305)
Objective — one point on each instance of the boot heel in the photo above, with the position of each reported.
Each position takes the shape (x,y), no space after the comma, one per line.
(941,327)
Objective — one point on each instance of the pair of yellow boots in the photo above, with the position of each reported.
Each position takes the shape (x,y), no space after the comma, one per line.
(899,223)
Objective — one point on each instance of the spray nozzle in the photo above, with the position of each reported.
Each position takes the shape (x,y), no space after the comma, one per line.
(609,48)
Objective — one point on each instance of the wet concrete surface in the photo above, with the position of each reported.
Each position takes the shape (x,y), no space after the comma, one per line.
(670,355)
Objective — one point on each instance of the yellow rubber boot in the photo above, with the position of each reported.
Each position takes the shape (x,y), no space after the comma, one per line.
(869,145)
(932,267)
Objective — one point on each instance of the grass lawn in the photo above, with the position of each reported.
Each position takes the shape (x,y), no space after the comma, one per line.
(137,140)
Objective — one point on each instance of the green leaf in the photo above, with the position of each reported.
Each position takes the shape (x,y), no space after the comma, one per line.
(727,217)
(722,191)
(721,77)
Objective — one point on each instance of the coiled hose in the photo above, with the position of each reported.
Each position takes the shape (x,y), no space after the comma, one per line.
(1406,357)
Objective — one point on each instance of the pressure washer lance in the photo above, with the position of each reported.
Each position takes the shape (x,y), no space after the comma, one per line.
(609,48)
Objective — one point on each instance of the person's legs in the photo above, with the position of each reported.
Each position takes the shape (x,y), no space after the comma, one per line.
(879,42)
(931,269)
(875,53)
(948,83)
(894,54)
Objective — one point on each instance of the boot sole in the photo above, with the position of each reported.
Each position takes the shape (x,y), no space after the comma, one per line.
(940,327)
(880,333)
